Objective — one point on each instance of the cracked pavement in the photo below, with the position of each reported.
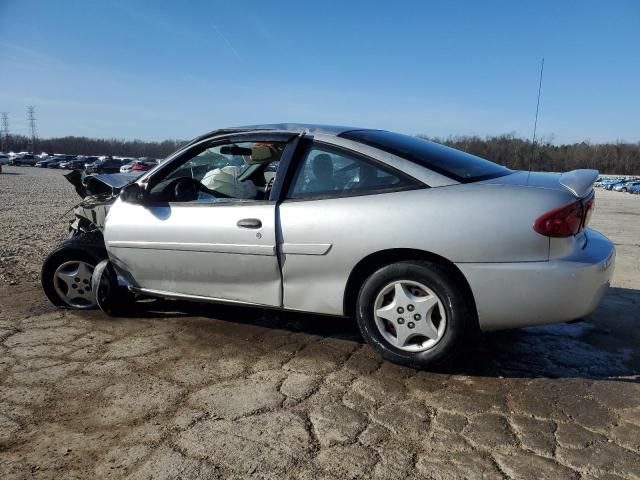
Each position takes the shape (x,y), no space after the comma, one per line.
(205,391)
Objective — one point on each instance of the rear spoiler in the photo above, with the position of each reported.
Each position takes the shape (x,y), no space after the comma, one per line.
(579,182)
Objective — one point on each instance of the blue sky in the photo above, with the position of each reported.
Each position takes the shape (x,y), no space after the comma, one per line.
(175,69)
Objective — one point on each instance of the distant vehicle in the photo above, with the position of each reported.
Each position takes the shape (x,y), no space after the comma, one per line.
(45,161)
(90,159)
(23,158)
(635,189)
(624,186)
(58,162)
(609,185)
(68,163)
(75,163)
(4,158)
(138,166)
(144,165)
(126,168)
(108,165)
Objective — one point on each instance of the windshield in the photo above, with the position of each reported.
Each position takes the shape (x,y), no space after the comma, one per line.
(460,166)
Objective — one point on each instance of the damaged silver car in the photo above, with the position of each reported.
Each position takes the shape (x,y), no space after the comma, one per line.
(422,244)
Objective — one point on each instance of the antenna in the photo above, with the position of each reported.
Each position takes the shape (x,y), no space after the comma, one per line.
(5,131)
(535,123)
(31,117)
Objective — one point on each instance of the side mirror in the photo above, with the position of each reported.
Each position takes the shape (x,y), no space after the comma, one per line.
(133,193)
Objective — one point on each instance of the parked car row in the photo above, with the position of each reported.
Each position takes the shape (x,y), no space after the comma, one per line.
(90,164)
(620,184)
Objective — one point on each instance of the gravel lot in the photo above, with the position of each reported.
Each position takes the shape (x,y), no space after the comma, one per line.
(219,392)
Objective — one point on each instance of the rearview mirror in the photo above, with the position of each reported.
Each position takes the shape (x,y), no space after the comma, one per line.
(235,150)
(133,193)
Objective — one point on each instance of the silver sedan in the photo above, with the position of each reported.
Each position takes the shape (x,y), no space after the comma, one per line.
(423,244)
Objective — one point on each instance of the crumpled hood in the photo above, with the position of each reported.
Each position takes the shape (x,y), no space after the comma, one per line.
(100,183)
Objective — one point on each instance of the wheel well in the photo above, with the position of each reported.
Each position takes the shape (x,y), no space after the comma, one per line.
(377,260)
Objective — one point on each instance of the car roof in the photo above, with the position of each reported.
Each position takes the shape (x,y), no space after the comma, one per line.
(280,127)
(300,127)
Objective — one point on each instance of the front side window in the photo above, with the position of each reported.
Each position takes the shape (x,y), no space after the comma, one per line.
(221,173)
(328,172)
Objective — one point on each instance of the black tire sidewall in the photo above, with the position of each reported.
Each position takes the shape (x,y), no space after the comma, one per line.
(438,278)
(79,248)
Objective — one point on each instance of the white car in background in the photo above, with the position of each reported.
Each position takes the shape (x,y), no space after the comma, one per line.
(126,168)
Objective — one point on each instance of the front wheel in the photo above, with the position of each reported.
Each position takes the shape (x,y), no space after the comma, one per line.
(66,272)
(416,313)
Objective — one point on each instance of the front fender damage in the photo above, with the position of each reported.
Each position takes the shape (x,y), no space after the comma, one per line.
(98,192)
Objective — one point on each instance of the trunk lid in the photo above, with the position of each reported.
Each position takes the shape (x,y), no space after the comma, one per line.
(578,183)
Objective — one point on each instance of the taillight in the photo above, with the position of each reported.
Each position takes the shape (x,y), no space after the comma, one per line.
(589,206)
(564,221)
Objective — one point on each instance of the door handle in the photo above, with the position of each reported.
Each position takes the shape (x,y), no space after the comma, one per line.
(249,223)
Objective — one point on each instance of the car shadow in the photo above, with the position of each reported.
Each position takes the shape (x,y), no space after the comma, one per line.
(11,173)
(600,346)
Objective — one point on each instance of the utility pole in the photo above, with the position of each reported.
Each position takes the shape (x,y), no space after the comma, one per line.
(5,131)
(31,118)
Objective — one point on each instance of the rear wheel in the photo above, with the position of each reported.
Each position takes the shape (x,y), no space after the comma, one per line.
(415,313)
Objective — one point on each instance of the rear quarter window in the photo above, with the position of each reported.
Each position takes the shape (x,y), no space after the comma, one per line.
(460,166)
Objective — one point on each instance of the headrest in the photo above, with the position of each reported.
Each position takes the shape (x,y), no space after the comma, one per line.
(261,153)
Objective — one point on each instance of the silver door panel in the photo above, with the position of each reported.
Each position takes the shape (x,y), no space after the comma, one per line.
(198,250)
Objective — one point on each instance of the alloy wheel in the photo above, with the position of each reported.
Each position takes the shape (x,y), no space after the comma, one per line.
(410,316)
(72,283)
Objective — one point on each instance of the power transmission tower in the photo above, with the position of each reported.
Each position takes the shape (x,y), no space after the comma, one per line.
(5,132)
(31,117)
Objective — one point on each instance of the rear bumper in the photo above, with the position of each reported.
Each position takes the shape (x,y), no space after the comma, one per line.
(512,295)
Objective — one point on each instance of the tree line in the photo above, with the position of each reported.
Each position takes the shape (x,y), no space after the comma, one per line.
(95,146)
(614,158)
(518,154)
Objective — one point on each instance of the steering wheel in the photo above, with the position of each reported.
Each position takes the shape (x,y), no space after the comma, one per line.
(185,189)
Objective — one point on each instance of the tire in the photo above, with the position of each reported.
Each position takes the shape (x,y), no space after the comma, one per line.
(113,299)
(85,251)
(453,318)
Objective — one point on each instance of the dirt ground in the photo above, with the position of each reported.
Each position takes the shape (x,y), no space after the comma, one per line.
(206,391)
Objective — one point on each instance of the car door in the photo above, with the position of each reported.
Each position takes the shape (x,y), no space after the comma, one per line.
(213,248)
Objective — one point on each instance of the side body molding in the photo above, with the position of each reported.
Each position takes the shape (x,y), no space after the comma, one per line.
(305,248)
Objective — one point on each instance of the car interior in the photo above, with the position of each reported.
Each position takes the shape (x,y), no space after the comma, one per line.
(241,171)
